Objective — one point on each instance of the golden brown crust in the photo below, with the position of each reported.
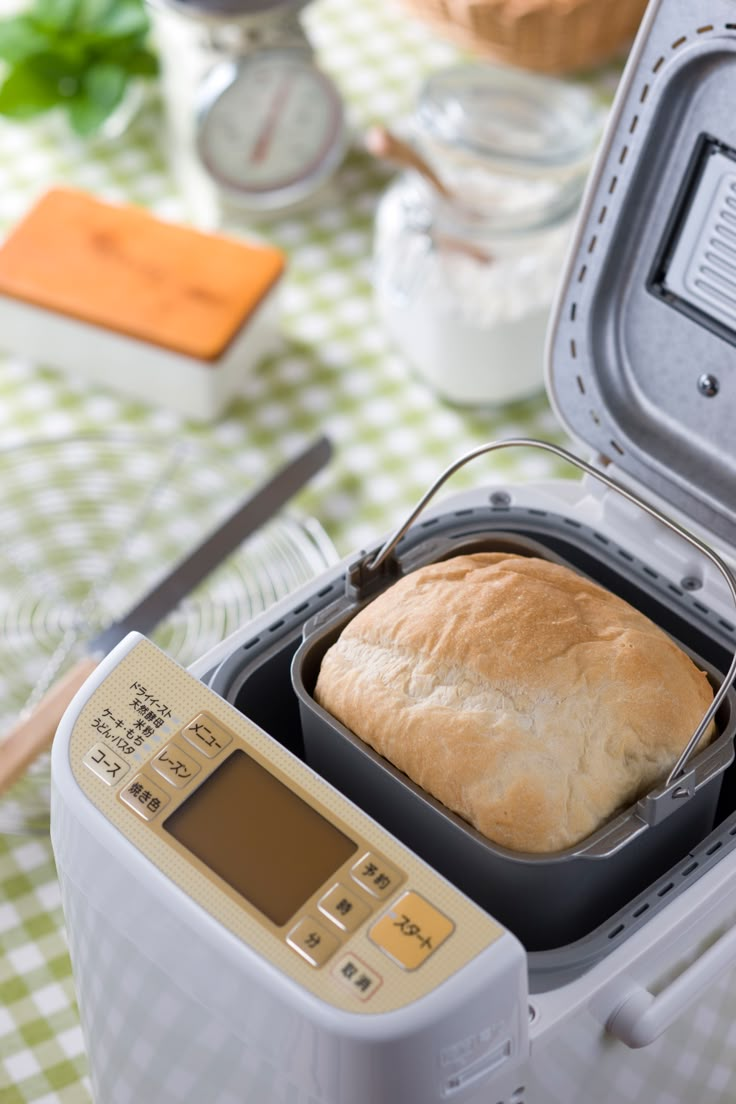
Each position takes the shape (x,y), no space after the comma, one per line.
(524,697)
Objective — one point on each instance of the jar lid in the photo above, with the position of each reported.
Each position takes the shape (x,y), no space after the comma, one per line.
(512,121)
(514,147)
(230,10)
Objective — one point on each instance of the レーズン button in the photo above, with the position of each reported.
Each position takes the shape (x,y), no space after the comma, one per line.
(175,766)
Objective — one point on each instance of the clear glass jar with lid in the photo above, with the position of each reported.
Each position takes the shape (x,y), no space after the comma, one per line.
(465,274)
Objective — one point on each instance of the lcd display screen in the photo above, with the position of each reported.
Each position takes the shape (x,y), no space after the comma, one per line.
(259,837)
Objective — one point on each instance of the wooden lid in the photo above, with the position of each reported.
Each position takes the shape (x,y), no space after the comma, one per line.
(121,268)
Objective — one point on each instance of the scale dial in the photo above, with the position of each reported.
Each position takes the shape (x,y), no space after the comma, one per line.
(270,128)
(241,12)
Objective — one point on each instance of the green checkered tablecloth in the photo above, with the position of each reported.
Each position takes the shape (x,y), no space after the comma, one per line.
(335,372)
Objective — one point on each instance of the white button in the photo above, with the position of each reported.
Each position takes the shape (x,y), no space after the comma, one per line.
(108,766)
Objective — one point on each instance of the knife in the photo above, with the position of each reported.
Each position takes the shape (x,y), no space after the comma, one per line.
(33,734)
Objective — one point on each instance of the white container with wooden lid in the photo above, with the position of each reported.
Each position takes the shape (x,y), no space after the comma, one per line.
(155,310)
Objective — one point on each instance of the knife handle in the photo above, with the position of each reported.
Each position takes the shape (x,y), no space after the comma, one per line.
(32,735)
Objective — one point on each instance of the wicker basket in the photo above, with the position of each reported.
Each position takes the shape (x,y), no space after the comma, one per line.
(551,36)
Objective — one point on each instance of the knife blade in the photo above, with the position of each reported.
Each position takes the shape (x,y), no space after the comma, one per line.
(33,734)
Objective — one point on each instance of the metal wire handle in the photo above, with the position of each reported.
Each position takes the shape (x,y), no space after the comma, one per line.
(526,442)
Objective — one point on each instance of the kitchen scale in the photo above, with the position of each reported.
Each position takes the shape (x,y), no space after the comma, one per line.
(256,127)
(259,911)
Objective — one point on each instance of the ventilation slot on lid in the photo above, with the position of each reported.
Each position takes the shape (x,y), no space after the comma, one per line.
(696,272)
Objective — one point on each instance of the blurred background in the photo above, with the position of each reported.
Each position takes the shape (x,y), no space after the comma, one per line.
(419,165)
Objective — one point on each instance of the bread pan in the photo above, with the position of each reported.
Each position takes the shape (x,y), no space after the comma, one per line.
(581,886)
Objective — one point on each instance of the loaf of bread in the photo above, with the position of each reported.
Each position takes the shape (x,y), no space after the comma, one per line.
(527,699)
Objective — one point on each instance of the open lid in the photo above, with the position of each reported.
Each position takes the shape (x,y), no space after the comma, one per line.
(642,347)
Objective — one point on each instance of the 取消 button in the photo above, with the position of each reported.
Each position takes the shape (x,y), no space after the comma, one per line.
(360,979)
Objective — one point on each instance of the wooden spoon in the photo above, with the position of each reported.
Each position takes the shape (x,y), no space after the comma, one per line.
(387,146)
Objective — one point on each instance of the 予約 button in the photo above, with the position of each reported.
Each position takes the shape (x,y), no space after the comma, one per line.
(377,876)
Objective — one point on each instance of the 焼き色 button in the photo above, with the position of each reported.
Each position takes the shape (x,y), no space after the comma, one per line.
(411,930)
(206,735)
(312,941)
(144,796)
(175,766)
(376,875)
(344,907)
(106,764)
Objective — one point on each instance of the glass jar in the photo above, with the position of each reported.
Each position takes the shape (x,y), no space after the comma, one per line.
(464,283)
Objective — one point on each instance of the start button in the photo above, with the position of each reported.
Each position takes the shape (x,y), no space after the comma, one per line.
(411,930)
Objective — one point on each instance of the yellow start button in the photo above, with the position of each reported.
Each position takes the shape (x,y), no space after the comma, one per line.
(411,930)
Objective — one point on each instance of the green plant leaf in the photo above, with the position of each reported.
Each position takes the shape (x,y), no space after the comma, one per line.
(137,62)
(20,39)
(26,92)
(93,13)
(79,53)
(54,14)
(58,71)
(86,115)
(105,85)
(124,19)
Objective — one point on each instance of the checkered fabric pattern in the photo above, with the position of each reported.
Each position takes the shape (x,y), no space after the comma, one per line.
(335,372)
(41,1049)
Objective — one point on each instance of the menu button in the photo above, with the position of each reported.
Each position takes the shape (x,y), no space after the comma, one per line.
(206,735)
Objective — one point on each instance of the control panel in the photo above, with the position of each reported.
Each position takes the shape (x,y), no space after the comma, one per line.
(264,844)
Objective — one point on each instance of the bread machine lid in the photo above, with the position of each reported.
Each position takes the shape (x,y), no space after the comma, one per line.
(641,355)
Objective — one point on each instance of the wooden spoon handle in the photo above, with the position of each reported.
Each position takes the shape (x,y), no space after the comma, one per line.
(32,735)
(387,146)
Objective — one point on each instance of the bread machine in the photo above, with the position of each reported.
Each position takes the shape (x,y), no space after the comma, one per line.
(244,930)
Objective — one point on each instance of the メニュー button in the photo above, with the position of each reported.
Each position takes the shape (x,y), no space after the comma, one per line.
(312,941)
(144,796)
(344,908)
(411,930)
(106,764)
(206,735)
(175,765)
(377,876)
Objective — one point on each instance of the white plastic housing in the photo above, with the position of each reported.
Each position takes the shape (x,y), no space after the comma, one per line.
(198,389)
(174,1007)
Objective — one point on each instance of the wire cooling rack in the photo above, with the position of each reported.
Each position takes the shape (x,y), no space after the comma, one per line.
(86,526)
